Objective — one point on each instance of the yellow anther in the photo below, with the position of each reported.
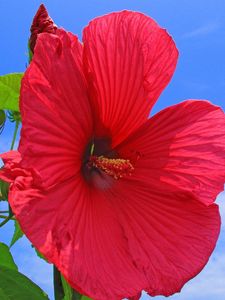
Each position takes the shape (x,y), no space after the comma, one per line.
(115,167)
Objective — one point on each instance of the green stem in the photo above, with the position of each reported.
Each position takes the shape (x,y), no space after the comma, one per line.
(15,134)
(3,217)
(58,287)
(76,295)
(4,211)
(7,219)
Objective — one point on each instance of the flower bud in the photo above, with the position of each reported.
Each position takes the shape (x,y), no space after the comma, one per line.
(41,23)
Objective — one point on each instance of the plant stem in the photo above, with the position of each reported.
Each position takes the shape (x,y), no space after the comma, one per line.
(58,287)
(7,219)
(14,135)
(4,211)
(3,217)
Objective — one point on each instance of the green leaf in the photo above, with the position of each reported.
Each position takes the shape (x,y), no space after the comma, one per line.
(4,187)
(14,116)
(10,91)
(6,259)
(16,286)
(68,291)
(3,296)
(2,117)
(18,233)
(85,298)
(2,120)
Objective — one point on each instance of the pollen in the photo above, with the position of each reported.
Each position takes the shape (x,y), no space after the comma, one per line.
(115,167)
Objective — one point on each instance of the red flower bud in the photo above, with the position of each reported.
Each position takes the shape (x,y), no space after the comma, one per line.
(41,23)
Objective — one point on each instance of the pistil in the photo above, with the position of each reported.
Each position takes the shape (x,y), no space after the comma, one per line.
(115,167)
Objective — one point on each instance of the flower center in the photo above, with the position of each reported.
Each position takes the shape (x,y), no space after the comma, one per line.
(115,167)
(102,165)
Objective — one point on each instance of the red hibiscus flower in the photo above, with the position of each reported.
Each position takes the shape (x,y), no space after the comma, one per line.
(119,202)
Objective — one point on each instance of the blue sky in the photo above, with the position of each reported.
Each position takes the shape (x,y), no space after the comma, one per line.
(198,28)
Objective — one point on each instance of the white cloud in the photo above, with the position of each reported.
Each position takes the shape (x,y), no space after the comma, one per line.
(203,30)
(208,285)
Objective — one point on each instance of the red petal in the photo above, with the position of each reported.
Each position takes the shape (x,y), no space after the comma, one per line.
(56,114)
(11,167)
(71,224)
(129,60)
(11,156)
(170,236)
(136,297)
(182,148)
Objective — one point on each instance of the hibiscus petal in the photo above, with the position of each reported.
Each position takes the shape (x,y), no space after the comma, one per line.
(129,60)
(10,156)
(164,206)
(169,236)
(11,167)
(71,224)
(182,148)
(56,115)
